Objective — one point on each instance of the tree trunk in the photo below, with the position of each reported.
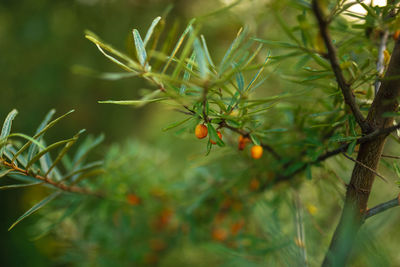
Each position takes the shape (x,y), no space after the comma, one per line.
(360,185)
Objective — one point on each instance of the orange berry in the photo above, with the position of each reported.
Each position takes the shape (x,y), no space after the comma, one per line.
(236,227)
(242,142)
(396,35)
(256,151)
(220,137)
(133,199)
(220,234)
(254,184)
(201,131)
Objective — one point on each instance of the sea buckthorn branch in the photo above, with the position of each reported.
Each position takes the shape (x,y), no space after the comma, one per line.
(344,86)
(244,133)
(382,207)
(47,180)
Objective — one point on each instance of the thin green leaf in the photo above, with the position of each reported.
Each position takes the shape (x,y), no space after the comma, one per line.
(35,208)
(150,30)
(176,124)
(258,72)
(214,136)
(64,151)
(234,45)
(140,50)
(4,173)
(136,103)
(5,131)
(255,139)
(111,76)
(13,186)
(46,150)
(200,58)
(178,45)
(85,148)
(186,74)
(203,41)
(33,147)
(351,147)
(45,129)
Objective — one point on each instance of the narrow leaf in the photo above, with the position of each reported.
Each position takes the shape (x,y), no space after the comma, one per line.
(140,50)
(48,126)
(33,148)
(35,208)
(150,31)
(46,150)
(5,131)
(13,186)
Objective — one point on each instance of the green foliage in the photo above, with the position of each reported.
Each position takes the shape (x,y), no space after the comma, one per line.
(150,203)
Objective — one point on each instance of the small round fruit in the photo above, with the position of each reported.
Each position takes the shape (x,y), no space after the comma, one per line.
(242,142)
(220,137)
(396,35)
(201,131)
(256,152)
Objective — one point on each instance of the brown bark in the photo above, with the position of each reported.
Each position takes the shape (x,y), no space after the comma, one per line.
(360,185)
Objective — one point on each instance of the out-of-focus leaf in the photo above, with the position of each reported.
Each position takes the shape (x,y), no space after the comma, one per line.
(83,169)
(186,75)
(45,129)
(46,150)
(64,151)
(4,173)
(255,139)
(13,186)
(5,131)
(137,103)
(234,45)
(214,136)
(150,31)
(111,76)
(85,148)
(140,50)
(351,147)
(176,124)
(200,58)
(210,61)
(35,208)
(178,45)
(33,148)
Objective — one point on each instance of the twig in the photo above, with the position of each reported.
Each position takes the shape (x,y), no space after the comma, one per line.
(361,140)
(45,179)
(380,66)
(365,166)
(332,56)
(267,147)
(382,207)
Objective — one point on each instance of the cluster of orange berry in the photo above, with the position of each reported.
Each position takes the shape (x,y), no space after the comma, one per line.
(201,132)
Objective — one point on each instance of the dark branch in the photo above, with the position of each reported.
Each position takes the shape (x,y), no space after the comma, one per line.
(332,56)
(382,207)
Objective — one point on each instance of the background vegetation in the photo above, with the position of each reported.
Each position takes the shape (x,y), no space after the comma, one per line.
(172,205)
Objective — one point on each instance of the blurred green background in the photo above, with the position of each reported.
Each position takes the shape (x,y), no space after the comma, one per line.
(41,41)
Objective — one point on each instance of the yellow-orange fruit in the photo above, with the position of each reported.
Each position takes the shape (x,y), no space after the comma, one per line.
(220,234)
(254,184)
(396,35)
(133,200)
(201,131)
(220,137)
(236,227)
(256,152)
(242,142)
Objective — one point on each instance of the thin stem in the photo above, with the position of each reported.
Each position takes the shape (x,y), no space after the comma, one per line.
(333,58)
(382,207)
(45,179)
